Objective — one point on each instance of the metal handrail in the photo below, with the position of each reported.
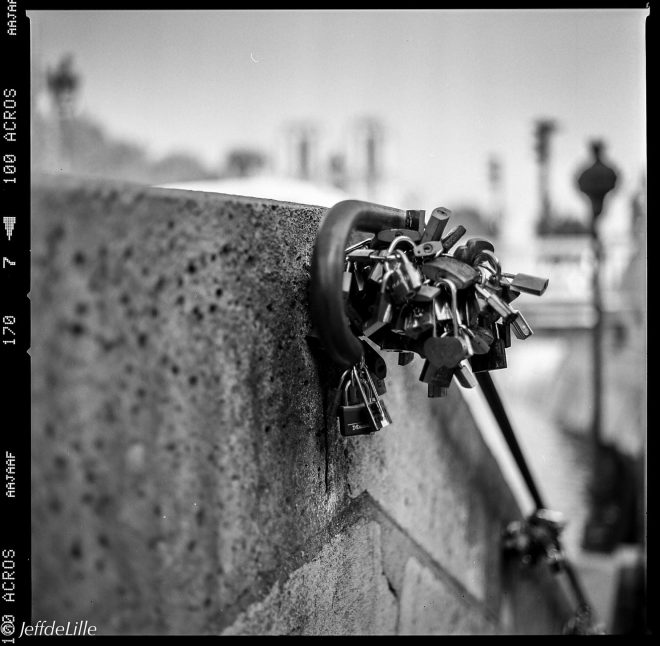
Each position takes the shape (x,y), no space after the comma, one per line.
(497,407)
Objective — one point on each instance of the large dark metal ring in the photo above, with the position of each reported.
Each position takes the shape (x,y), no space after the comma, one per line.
(328,260)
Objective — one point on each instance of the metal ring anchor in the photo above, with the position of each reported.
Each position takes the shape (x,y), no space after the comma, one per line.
(328,259)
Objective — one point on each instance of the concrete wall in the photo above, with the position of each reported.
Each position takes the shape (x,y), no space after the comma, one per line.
(184,477)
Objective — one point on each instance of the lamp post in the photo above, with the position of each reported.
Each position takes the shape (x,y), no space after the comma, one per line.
(62,84)
(596,181)
(543,129)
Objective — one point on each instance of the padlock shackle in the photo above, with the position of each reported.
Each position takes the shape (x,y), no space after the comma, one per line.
(328,259)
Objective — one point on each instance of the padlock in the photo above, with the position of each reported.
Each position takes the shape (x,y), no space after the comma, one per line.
(400,289)
(376,409)
(418,321)
(504,333)
(412,273)
(436,225)
(452,237)
(508,294)
(440,375)
(520,327)
(464,375)
(436,390)
(438,380)
(528,283)
(398,324)
(453,303)
(390,341)
(496,303)
(386,236)
(354,417)
(415,219)
(448,350)
(474,246)
(426,293)
(461,253)
(494,359)
(460,273)
(376,273)
(359,277)
(383,309)
(481,339)
(445,351)
(375,363)
(471,309)
(405,358)
(428,250)
(536,538)
(483,253)
(365,242)
(476,344)
(396,243)
(442,311)
(362,256)
(406,279)
(346,283)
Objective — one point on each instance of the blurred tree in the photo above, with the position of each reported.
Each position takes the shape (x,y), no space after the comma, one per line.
(178,167)
(369,141)
(81,146)
(94,152)
(474,221)
(494,171)
(337,170)
(243,162)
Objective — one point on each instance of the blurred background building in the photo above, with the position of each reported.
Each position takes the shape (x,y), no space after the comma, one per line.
(487,113)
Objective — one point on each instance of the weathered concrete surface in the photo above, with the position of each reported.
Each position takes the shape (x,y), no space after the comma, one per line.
(435,476)
(343,591)
(177,427)
(184,480)
(429,607)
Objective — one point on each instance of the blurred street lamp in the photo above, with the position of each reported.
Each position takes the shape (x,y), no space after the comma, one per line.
(542,131)
(595,182)
(495,186)
(62,84)
(369,140)
(302,141)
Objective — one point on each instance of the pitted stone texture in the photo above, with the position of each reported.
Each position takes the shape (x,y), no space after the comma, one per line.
(430,607)
(432,472)
(343,591)
(178,442)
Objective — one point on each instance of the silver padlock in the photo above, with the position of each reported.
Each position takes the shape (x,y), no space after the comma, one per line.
(378,414)
(520,327)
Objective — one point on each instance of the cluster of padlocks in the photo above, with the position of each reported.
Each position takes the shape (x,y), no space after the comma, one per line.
(410,289)
(405,292)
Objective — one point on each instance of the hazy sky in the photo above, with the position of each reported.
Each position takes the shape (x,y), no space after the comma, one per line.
(452,87)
